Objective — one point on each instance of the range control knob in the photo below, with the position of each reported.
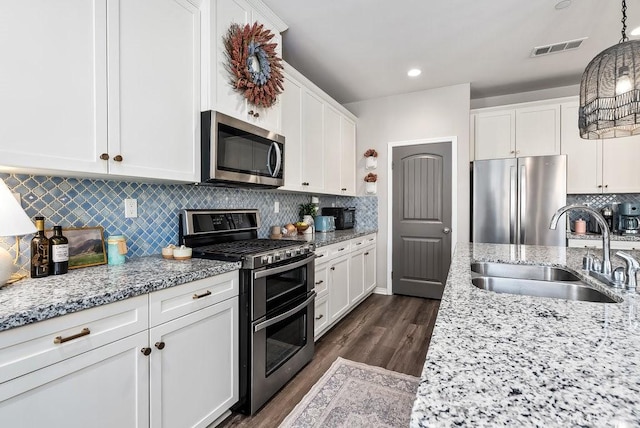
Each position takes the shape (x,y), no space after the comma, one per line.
(287,253)
(297,251)
(264,260)
(269,259)
(277,256)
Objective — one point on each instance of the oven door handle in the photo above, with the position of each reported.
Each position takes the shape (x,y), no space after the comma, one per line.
(280,269)
(272,321)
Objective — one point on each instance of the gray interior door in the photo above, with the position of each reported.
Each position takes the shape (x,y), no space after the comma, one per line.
(421,230)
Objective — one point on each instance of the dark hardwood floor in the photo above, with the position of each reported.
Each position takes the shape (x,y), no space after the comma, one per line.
(386,331)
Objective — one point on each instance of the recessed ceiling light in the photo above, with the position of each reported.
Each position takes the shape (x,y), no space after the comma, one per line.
(414,72)
(635,32)
(563,4)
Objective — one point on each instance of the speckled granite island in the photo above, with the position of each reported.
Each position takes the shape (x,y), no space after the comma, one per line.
(32,300)
(509,360)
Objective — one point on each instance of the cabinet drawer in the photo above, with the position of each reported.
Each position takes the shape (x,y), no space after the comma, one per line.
(340,249)
(321,316)
(32,347)
(322,255)
(174,302)
(321,279)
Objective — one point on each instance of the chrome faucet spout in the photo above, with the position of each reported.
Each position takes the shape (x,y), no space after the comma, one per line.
(606,234)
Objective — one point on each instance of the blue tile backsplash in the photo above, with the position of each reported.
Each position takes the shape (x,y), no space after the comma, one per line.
(71,202)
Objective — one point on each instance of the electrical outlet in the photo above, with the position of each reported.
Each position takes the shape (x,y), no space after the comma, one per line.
(130,208)
(276,207)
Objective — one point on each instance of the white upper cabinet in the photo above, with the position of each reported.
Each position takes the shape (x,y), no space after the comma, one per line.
(101,87)
(53,90)
(221,95)
(154,88)
(598,166)
(526,130)
(320,139)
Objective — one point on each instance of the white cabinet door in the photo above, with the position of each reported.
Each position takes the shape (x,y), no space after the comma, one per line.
(584,157)
(370,268)
(312,150)
(338,287)
(154,89)
(194,367)
(53,90)
(321,321)
(292,130)
(347,157)
(538,130)
(332,149)
(103,388)
(227,100)
(620,165)
(356,276)
(495,134)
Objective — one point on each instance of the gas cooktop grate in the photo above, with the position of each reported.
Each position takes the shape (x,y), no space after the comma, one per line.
(247,247)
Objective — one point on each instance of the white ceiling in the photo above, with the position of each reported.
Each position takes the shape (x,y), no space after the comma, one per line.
(362,49)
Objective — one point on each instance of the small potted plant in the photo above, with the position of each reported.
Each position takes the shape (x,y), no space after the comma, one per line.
(306,213)
(370,182)
(371,158)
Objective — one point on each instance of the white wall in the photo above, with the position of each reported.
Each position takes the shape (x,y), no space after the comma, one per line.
(435,113)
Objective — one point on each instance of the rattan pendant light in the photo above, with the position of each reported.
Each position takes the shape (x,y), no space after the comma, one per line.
(610,90)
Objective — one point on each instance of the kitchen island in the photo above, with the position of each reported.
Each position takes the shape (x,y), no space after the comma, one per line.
(512,360)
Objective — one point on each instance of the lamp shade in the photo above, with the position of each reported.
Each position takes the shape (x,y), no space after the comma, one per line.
(610,93)
(13,219)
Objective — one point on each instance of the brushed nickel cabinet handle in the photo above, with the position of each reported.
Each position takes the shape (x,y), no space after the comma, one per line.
(117,158)
(319,282)
(146,351)
(320,256)
(199,296)
(341,249)
(319,317)
(159,345)
(366,254)
(344,189)
(58,340)
(104,156)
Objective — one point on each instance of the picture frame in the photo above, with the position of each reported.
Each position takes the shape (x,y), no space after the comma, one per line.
(86,246)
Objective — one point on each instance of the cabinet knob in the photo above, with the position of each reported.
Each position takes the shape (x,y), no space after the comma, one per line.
(304,183)
(256,114)
(104,156)
(606,186)
(344,189)
(366,254)
(117,158)
(145,351)
(512,152)
(250,112)
(159,345)
(333,268)
(599,186)
(319,317)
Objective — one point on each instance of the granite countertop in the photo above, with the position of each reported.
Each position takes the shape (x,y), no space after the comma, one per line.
(508,360)
(614,236)
(322,239)
(32,300)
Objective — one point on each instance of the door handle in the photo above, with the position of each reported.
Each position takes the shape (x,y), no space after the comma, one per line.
(446,230)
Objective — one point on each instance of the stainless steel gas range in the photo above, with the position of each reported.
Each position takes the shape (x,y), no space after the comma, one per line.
(277,297)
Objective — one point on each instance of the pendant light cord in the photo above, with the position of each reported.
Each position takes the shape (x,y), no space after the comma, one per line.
(624,22)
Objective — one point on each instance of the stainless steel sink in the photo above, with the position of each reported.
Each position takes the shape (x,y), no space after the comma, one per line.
(505,270)
(556,289)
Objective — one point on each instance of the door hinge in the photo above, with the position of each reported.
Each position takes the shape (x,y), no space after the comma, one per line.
(391,274)
(392,164)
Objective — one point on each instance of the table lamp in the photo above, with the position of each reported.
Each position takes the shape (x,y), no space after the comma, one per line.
(13,222)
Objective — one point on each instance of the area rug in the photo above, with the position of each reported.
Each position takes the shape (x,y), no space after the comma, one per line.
(354,395)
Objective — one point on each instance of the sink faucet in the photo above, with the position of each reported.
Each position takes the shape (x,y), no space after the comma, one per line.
(606,234)
(632,267)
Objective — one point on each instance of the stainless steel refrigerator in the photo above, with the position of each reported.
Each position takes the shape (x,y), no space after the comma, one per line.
(514,200)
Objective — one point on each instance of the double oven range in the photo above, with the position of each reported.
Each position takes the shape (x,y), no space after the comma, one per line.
(277,297)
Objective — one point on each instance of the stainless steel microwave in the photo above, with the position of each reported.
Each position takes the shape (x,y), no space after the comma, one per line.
(235,153)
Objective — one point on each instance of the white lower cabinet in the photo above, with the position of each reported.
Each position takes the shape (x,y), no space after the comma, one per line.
(338,287)
(597,243)
(344,276)
(167,359)
(193,367)
(103,388)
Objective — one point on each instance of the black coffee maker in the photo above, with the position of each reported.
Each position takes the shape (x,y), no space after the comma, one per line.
(628,218)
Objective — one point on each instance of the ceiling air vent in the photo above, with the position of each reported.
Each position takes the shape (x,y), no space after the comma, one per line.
(557,47)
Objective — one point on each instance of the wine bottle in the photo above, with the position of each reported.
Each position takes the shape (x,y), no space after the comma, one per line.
(39,251)
(59,252)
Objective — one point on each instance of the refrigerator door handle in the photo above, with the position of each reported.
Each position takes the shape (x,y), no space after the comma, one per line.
(513,205)
(522,210)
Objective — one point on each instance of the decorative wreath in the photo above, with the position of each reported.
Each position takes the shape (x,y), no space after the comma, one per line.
(256,70)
